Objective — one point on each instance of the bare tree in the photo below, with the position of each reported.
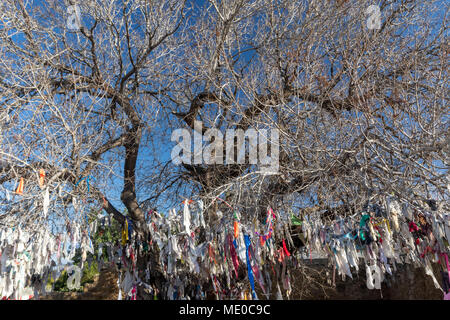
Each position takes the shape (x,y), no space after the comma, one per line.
(361,113)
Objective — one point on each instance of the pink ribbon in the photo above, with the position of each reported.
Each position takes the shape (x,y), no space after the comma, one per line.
(233,256)
(269,222)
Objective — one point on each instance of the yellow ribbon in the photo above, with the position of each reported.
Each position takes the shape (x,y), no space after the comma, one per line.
(125,233)
(385,221)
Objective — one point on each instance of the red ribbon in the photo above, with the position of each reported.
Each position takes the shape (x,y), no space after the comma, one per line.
(413,227)
(285,249)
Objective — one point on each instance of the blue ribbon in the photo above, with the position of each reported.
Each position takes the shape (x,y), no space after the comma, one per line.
(249,268)
(345,236)
(362,225)
(130,227)
(87,181)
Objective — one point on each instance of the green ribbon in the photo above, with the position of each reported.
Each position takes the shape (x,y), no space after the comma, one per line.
(296,221)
